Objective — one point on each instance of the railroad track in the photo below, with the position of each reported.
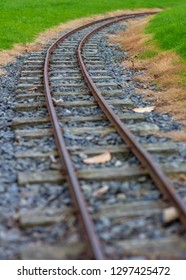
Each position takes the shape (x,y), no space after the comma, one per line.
(113,198)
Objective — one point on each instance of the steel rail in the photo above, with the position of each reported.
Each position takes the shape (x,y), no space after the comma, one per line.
(143,156)
(94,247)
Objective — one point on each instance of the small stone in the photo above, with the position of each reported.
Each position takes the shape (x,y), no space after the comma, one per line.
(111,200)
(2,189)
(67,111)
(116,230)
(73,239)
(105,221)
(125,186)
(165,117)
(118,163)
(121,196)
(142,236)
(153,139)
(105,236)
(87,190)
(142,179)
(90,137)
(82,155)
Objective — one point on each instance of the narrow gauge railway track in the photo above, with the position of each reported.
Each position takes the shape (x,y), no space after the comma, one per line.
(75,93)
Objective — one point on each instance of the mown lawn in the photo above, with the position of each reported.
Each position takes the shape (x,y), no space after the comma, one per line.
(169,29)
(21,20)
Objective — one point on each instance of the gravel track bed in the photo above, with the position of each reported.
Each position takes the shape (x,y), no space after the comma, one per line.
(46,144)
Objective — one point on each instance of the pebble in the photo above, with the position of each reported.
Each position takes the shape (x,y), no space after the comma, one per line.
(105,236)
(118,163)
(121,196)
(2,188)
(86,190)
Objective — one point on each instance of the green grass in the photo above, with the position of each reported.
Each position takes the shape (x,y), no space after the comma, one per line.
(22,20)
(169,29)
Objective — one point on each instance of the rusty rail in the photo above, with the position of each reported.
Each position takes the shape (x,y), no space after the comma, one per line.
(94,247)
(143,156)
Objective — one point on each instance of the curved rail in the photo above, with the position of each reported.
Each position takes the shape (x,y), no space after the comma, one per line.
(94,247)
(143,156)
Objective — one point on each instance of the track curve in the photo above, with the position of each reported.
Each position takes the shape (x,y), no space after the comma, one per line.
(94,247)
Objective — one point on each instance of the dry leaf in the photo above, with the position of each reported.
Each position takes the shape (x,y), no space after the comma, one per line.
(32,88)
(170,214)
(144,109)
(98,159)
(101,191)
(57,101)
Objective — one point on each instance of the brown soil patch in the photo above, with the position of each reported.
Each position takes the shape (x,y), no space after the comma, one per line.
(163,69)
(43,38)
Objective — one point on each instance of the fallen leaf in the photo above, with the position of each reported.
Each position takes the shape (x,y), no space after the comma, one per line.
(57,101)
(32,88)
(101,191)
(170,214)
(98,159)
(144,109)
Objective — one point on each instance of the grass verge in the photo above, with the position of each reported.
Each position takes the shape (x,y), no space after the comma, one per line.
(166,69)
(168,29)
